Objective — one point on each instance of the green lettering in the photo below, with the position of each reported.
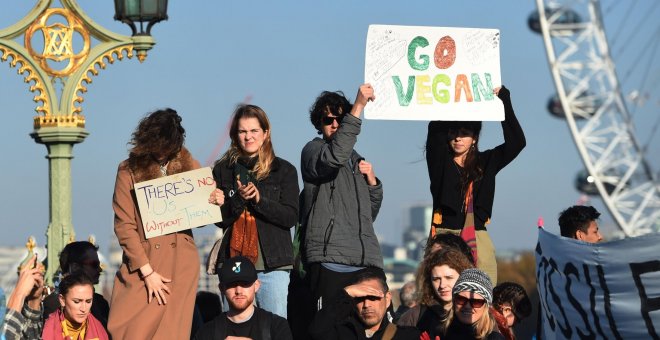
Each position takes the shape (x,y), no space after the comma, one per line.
(478,87)
(441,96)
(404,98)
(412,47)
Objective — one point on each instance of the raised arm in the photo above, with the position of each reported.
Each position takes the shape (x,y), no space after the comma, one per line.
(514,137)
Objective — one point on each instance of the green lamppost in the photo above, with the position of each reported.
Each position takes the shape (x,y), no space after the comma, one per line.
(43,49)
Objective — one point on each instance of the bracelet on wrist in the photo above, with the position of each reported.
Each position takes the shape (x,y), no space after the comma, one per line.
(146,276)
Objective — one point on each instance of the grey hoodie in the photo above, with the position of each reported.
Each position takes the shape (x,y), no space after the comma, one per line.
(338,225)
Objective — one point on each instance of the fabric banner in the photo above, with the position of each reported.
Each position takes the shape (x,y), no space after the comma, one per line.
(433,73)
(609,290)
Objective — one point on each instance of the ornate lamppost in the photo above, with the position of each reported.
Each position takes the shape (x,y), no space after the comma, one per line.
(47,57)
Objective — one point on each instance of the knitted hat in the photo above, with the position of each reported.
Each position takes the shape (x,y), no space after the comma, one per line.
(476,281)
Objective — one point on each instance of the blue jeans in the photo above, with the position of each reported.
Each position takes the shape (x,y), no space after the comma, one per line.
(272,294)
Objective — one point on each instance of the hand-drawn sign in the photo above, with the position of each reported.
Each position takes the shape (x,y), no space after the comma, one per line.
(177,202)
(433,73)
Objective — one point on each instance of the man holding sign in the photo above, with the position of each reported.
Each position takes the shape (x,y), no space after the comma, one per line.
(166,267)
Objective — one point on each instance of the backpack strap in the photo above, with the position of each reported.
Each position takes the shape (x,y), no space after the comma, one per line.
(390,330)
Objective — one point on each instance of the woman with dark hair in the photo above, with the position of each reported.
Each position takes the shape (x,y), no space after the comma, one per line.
(510,306)
(258,195)
(435,280)
(74,320)
(164,268)
(463,179)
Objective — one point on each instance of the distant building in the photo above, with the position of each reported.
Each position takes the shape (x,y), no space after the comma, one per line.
(418,231)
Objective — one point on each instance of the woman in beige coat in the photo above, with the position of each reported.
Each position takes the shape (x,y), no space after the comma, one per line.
(154,291)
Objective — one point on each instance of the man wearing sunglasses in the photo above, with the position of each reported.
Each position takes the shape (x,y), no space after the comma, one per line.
(340,199)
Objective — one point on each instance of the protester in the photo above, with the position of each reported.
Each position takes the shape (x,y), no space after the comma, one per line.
(463,179)
(77,256)
(341,197)
(440,241)
(436,277)
(408,299)
(510,306)
(469,318)
(239,285)
(23,319)
(580,222)
(73,320)
(258,195)
(154,289)
(359,312)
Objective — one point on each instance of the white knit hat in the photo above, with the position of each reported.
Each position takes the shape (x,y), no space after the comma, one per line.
(476,281)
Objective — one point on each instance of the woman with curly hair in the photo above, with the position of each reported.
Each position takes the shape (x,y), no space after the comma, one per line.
(258,195)
(463,179)
(163,268)
(435,279)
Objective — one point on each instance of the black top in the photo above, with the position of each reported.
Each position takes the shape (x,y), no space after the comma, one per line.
(445,174)
(461,331)
(263,325)
(338,321)
(275,214)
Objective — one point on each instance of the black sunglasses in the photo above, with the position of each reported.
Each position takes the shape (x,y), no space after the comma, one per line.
(462,300)
(327,120)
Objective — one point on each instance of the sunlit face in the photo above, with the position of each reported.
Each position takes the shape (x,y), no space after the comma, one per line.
(443,279)
(461,144)
(507,312)
(592,235)
(77,303)
(465,311)
(329,124)
(240,296)
(371,309)
(250,135)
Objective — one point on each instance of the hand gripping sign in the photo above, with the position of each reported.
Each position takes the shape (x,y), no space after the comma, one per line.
(177,202)
(433,73)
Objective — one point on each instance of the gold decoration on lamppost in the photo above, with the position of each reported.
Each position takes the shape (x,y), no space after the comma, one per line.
(32,76)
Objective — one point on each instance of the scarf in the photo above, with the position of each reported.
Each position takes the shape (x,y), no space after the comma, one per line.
(244,237)
(57,327)
(469,232)
(502,325)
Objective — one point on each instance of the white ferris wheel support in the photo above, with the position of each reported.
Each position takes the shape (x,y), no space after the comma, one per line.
(596,113)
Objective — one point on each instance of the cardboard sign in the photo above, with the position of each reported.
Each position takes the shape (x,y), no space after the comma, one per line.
(609,290)
(178,202)
(433,73)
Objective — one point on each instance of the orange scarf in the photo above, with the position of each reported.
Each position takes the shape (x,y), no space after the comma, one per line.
(244,238)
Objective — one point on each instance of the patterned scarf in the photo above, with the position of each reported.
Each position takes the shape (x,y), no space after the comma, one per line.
(244,238)
(469,233)
(57,327)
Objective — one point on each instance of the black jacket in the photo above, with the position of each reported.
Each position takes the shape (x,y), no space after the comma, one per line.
(338,321)
(444,176)
(271,326)
(276,212)
(461,331)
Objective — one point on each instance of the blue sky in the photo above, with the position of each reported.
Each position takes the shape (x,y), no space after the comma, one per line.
(211,55)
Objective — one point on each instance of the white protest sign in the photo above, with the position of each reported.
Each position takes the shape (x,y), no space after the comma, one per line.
(433,73)
(598,291)
(177,202)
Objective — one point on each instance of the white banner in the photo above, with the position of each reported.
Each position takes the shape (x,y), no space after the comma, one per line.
(177,202)
(433,73)
(598,291)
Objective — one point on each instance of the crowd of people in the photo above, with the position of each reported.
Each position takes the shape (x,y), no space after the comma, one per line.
(326,283)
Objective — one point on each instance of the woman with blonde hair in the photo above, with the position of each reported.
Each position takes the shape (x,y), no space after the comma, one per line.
(435,279)
(258,195)
(469,317)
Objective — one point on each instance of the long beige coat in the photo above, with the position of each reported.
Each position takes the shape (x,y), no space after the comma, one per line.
(173,256)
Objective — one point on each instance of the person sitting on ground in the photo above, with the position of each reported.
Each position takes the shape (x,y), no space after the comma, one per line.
(510,305)
(239,284)
(469,317)
(435,279)
(439,241)
(23,319)
(73,320)
(81,256)
(579,222)
(408,298)
(359,312)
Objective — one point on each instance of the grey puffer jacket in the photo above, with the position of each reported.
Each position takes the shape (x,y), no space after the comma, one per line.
(338,206)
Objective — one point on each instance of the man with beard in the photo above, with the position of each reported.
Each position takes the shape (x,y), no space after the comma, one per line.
(360,312)
(239,284)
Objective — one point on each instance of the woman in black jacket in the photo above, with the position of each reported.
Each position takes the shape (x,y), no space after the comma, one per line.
(463,179)
(258,195)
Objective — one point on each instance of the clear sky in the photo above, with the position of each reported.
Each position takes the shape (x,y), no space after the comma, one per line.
(211,55)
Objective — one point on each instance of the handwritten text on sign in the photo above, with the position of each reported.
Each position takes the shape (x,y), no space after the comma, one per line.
(433,73)
(178,202)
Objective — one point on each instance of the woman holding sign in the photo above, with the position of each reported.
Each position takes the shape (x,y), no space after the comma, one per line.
(154,290)
(258,195)
(463,179)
